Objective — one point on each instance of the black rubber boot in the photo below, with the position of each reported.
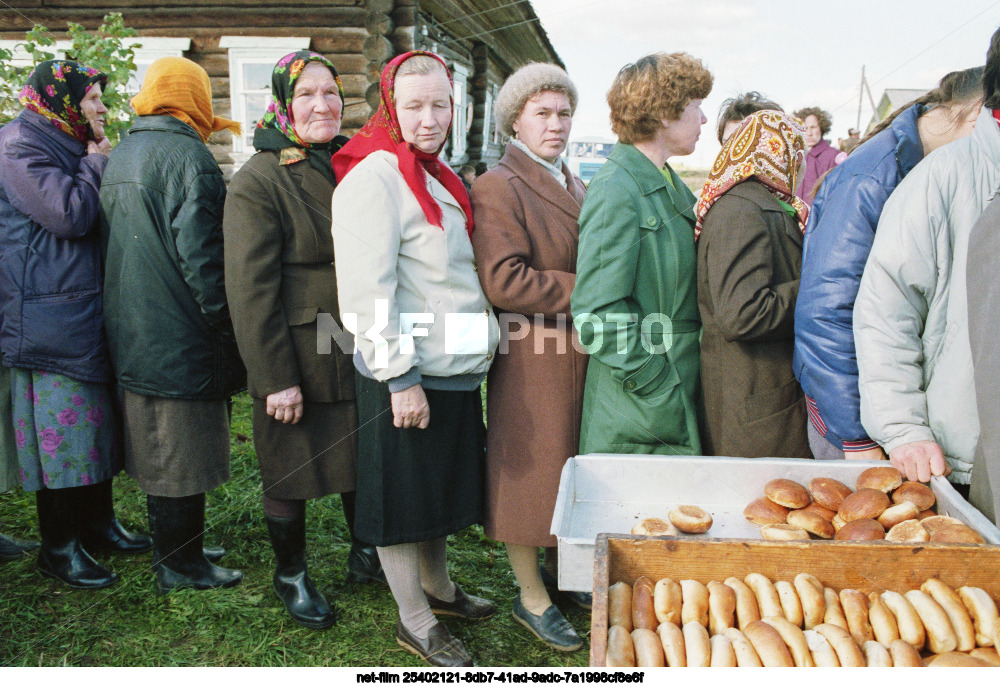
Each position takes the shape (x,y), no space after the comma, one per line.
(291,577)
(12,549)
(178,525)
(101,529)
(363,564)
(61,556)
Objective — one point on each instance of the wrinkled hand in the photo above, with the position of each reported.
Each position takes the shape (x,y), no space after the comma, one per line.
(410,409)
(286,406)
(871,454)
(102,147)
(918,460)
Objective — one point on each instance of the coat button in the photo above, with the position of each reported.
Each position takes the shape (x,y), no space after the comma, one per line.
(651,221)
(630,384)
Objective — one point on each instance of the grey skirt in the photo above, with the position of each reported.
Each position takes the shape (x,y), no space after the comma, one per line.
(174,447)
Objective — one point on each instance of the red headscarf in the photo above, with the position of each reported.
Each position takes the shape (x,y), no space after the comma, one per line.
(382,132)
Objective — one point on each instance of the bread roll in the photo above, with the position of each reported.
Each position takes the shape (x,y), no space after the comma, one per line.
(956,659)
(643,615)
(793,638)
(781,532)
(897,513)
(876,655)
(993,636)
(621,651)
(654,527)
(823,655)
(838,523)
(828,492)
(746,655)
(723,655)
(956,534)
(936,522)
(855,605)
(848,652)
(834,612)
(763,511)
(908,531)
(812,522)
(822,511)
(984,614)
(787,493)
(620,605)
(697,647)
(721,607)
(916,492)
(791,606)
(924,514)
(955,609)
(648,650)
(861,530)
(768,601)
(864,504)
(885,478)
(667,601)
(672,641)
(690,519)
(882,620)
(940,634)
(987,653)
(904,655)
(769,645)
(746,604)
(811,597)
(694,607)
(911,628)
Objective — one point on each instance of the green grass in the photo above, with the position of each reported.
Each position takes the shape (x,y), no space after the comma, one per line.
(45,623)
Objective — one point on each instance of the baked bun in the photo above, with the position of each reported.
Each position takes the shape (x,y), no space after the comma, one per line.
(828,492)
(746,605)
(643,614)
(897,513)
(861,530)
(863,504)
(936,522)
(767,596)
(620,606)
(811,597)
(694,606)
(769,645)
(690,519)
(654,527)
(811,522)
(876,655)
(911,628)
(941,636)
(885,478)
(764,511)
(918,493)
(721,607)
(957,613)
(822,511)
(956,534)
(782,532)
(983,611)
(855,605)
(787,493)
(987,653)
(838,523)
(924,514)
(908,531)
(746,655)
(621,651)
(956,659)
(904,655)
(848,652)
(697,645)
(723,655)
(791,606)
(823,655)
(793,638)
(672,641)
(882,620)
(648,650)
(667,601)
(834,614)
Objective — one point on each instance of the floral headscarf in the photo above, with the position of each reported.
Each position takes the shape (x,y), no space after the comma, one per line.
(276,129)
(382,132)
(54,90)
(769,146)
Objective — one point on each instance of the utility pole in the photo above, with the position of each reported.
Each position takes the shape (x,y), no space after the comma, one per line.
(861,95)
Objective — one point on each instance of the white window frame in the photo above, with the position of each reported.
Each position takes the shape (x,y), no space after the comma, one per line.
(489,119)
(148,49)
(460,110)
(22,58)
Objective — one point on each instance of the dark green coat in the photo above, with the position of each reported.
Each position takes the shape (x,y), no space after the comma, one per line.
(636,264)
(165,306)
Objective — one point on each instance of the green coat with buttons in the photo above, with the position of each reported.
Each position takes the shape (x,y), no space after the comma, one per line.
(635,305)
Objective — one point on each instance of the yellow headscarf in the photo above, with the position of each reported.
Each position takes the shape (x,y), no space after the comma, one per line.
(178,87)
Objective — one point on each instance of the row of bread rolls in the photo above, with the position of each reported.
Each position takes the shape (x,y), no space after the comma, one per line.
(854,629)
(687,519)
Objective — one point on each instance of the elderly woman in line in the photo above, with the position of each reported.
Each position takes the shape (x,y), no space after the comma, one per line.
(425,337)
(64,414)
(734,110)
(526,211)
(749,233)
(279,278)
(635,298)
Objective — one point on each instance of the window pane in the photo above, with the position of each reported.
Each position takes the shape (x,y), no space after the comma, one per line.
(256,104)
(257,77)
(135,79)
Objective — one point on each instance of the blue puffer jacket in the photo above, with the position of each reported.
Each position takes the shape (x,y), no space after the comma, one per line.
(50,256)
(838,240)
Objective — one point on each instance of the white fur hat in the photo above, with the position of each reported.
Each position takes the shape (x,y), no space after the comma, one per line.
(530,79)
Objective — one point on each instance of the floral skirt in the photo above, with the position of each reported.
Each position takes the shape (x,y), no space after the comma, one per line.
(66,431)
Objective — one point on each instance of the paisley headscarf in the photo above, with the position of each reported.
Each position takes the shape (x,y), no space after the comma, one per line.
(276,129)
(769,146)
(382,132)
(54,90)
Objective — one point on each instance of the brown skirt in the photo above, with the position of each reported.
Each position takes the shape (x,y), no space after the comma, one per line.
(174,447)
(314,458)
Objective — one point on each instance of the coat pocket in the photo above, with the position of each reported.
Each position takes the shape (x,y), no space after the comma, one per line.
(766,403)
(64,327)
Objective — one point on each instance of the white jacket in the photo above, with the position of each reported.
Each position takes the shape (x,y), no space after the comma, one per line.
(408,290)
(910,318)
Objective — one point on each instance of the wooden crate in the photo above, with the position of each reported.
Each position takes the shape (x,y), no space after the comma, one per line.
(864,566)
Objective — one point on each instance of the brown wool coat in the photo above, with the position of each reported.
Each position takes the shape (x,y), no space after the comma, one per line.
(749,263)
(525,245)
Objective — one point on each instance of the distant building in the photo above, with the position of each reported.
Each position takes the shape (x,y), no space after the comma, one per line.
(586,155)
(892,99)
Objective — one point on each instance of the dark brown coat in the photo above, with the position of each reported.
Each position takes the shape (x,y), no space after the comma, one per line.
(749,262)
(525,244)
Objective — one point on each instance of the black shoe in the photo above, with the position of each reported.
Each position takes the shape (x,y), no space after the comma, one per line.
(551,627)
(582,600)
(363,564)
(291,577)
(12,549)
(101,530)
(439,649)
(61,555)
(214,553)
(178,525)
(464,606)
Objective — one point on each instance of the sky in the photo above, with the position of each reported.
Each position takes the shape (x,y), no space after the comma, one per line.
(798,54)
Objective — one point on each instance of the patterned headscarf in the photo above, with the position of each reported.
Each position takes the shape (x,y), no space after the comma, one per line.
(769,146)
(276,129)
(54,90)
(382,132)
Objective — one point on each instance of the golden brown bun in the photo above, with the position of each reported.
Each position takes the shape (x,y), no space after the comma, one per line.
(721,607)
(885,478)
(648,650)
(643,614)
(694,607)
(769,645)
(690,519)
(621,651)
(812,522)
(864,504)
(822,511)
(667,601)
(787,493)
(924,514)
(908,531)
(763,511)
(791,606)
(848,652)
(723,655)
(834,612)
(793,638)
(936,522)
(838,523)
(746,655)
(746,603)
(895,514)
(952,604)
(983,611)
(620,605)
(767,596)
(861,530)
(876,655)
(822,653)
(782,532)
(810,593)
(697,647)
(855,605)
(672,641)
(987,653)
(654,527)
(829,492)
(904,655)
(956,534)
(940,634)
(993,636)
(918,493)
(882,620)
(911,628)
(956,659)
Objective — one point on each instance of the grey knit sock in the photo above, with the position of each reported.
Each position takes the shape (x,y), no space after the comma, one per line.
(402,571)
(434,569)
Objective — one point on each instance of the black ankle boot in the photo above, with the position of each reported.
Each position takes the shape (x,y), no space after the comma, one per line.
(101,529)
(363,564)
(178,557)
(61,555)
(12,549)
(291,577)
